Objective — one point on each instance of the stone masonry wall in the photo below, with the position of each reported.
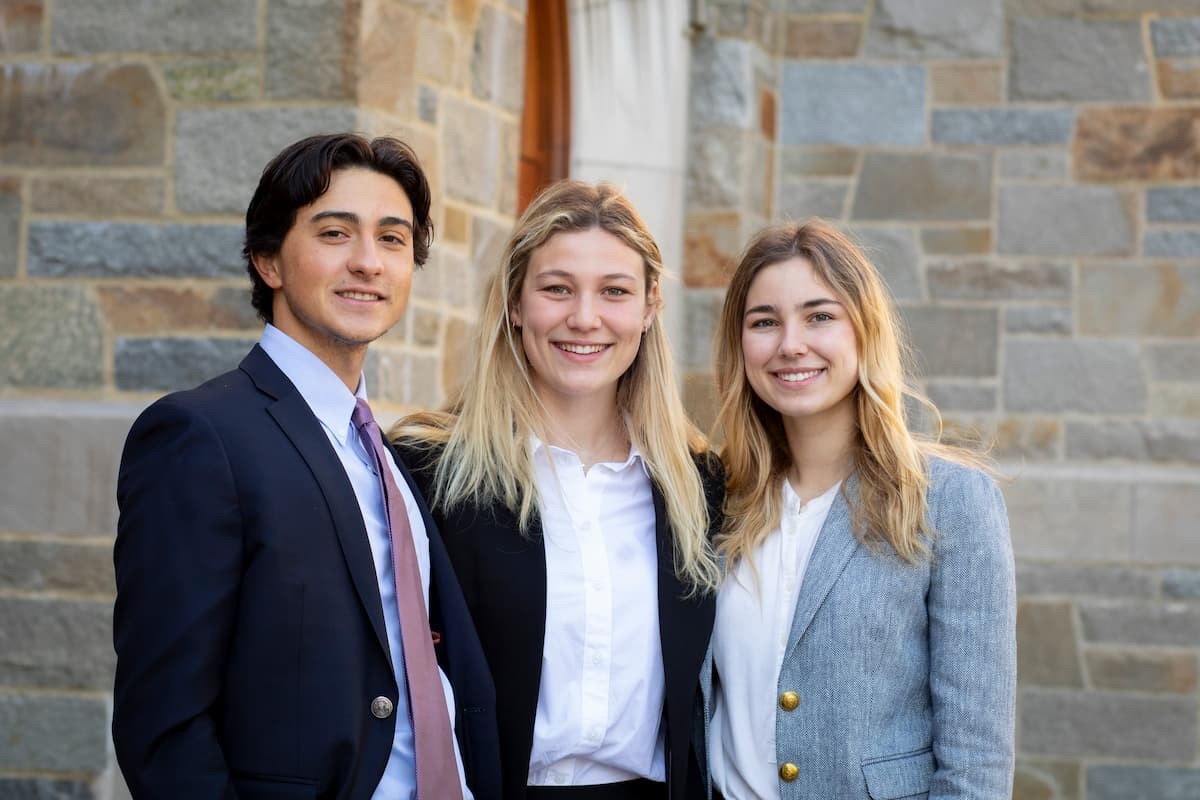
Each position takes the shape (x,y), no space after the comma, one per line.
(1027,176)
(132,133)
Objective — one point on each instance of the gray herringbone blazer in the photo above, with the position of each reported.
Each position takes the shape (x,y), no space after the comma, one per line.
(906,673)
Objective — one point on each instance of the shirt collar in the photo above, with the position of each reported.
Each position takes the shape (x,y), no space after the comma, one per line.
(536,446)
(323,391)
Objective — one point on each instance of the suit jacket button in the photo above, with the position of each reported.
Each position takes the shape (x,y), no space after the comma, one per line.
(381,707)
(789,700)
(789,772)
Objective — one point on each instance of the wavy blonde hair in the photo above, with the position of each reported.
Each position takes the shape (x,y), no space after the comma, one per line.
(485,430)
(889,459)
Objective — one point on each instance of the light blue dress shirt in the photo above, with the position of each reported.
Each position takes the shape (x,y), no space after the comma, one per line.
(332,404)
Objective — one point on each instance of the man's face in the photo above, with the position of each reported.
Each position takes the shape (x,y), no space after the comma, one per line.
(342,276)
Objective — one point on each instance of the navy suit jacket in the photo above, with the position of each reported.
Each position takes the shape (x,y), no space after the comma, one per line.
(248,625)
(503,575)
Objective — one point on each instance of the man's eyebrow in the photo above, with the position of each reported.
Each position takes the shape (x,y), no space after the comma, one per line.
(352,218)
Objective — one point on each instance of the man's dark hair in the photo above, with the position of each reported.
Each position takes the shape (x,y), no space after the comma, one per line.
(301,173)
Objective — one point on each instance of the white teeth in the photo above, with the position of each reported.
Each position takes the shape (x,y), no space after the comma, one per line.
(582,349)
(359,295)
(796,377)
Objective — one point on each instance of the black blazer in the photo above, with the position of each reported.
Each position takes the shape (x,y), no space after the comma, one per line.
(248,626)
(503,576)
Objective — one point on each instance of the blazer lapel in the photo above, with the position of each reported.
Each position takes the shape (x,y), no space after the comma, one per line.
(296,419)
(835,545)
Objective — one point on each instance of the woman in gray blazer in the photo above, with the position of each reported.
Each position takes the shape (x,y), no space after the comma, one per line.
(865,634)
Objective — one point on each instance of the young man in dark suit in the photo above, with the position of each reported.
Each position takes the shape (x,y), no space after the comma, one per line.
(279,578)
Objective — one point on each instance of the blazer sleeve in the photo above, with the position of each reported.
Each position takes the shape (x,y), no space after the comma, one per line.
(178,560)
(972,639)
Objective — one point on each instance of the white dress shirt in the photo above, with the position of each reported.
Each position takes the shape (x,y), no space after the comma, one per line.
(600,702)
(332,405)
(742,749)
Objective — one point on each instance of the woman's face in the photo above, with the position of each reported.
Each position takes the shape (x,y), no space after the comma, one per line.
(582,310)
(798,343)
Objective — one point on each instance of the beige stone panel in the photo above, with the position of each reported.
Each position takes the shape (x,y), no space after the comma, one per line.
(1047,649)
(1165,521)
(1179,79)
(1069,518)
(456,225)
(1046,780)
(822,38)
(457,359)
(823,163)
(967,83)
(436,53)
(700,399)
(956,241)
(1132,300)
(146,310)
(1175,399)
(387,59)
(710,248)
(1137,143)
(107,196)
(1142,670)
(20,25)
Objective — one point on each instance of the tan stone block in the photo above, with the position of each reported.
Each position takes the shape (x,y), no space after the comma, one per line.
(108,196)
(710,248)
(1019,437)
(1143,670)
(768,120)
(386,60)
(146,310)
(967,83)
(956,241)
(426,325)
(436,52)
(1137,143)
(456,225)
(1179,78)
(822,38)
(456,356)
(819,163)
(1047,649)
(700,399)
(20,25)
(1046,780)
(1175,399)
(1136,300)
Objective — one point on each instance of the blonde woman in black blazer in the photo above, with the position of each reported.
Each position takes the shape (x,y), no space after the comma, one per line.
(577,502)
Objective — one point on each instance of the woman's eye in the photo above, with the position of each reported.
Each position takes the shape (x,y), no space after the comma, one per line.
(821,316)
(556,289)
(616,291)
(762,323)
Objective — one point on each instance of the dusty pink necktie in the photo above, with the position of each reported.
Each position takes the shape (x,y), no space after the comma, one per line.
(437,771)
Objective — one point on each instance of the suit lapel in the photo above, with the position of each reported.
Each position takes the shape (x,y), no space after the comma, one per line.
(296,419)
(834,547)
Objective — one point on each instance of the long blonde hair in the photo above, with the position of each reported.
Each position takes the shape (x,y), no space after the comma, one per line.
(486,428)
(889,459)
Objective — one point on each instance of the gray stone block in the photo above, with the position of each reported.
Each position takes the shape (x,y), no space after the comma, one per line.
(471,148)
(1132,782)
(1174,361)
(1172,244)
(1039,779)
(954,396)
(427,104)
(306,50)
(1065,221)
(1142,670)
(53,733)
(61,643)
(134,250)
(212,80)
(721,84)
(1088,377)
(51,337)
(1033,165)
(852,104)
(61,474)
(1165,517)
(44,789)
(1182,584)
(1136,300)
(1175,400)
(717,167)
(1086,580)
(922,186)
(56,566)
(893,251)
(498,59)
(220,152)
(1060,518)
(1040,320)
(989,280)
(107,196)
(1158,624)
(163,26)
(1167,441)
(1176,37)
(1173,204)
(1047,653)
(824,6)
(818,163)
(1003,126)
(10,228)
(1078,60)
(954,342)
(146,365)
(1106,725)
(81,114)
(919,29)
(802,199)
(702,309)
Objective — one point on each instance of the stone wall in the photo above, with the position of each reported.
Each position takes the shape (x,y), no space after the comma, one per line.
(131,136)
(1027,176)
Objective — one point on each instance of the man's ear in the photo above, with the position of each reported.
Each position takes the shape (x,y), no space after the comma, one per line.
(267,267)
